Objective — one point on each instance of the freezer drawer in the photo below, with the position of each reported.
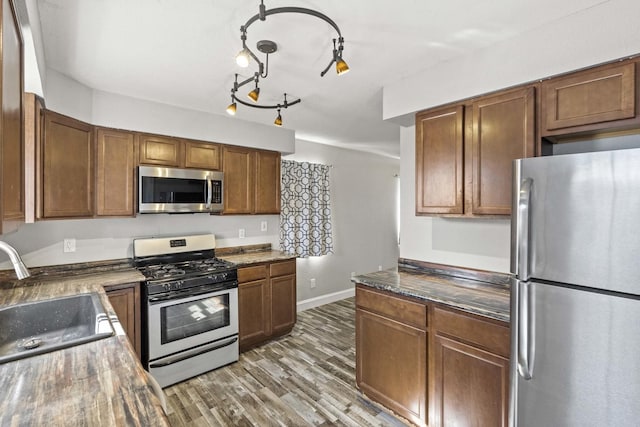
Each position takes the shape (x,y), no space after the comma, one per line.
(583,354)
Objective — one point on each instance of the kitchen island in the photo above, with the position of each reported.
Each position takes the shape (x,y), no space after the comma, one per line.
(433,343)
(97,383)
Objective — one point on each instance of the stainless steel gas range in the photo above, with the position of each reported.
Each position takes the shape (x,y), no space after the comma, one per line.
(190,307)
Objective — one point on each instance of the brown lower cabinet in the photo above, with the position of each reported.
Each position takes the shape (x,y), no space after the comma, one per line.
(125,300)
(431,364)
(266,302)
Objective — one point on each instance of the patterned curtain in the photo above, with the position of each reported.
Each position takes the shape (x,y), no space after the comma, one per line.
(305,216)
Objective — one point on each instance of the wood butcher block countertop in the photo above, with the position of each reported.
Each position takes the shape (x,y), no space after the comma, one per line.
(97,383)
(478,292)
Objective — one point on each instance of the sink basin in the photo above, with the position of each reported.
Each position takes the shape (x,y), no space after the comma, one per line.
(44,326)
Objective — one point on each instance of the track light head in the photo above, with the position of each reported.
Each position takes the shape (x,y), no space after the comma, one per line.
(341,66)
(278,120)
(254,94)
(231,109)
(243,58)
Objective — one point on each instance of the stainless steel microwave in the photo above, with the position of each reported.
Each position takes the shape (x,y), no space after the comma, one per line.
(171,190)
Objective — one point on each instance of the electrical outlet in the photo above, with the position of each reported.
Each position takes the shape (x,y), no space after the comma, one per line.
(379,268)
(263,226)
(69,245)
(312,283)
(241,233)
(353,274)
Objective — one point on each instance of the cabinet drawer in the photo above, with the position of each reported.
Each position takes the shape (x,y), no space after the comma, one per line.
(249,274)
(283,268)
(485,334)
(401,310)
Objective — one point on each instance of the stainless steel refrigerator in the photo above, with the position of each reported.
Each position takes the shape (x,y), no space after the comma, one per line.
(575,301)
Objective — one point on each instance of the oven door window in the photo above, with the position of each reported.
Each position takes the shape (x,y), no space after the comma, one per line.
(182,320)
(173,190)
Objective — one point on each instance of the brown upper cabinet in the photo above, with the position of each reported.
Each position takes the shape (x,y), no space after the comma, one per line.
(115,173)
(589,100)
(12,199)
(99,179)
(439,161)
(178,153)
(160,150)
(67,162)
(251,181)
(503,130)
(201,155)
(238,164)
(464,153)
(267,191)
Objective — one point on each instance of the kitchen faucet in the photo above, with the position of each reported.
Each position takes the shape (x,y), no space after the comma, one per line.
(18,265)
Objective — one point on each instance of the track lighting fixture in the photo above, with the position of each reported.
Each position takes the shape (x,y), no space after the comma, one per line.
(268,47)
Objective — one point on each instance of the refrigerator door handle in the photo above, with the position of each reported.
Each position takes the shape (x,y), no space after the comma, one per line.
(525,332)
(524,202)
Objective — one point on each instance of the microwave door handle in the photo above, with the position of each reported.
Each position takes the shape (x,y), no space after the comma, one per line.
(209,193)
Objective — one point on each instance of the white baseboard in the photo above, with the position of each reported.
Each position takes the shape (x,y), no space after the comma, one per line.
(325,299)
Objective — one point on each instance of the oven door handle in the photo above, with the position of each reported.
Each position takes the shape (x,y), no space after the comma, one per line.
(192,292)
(192,353)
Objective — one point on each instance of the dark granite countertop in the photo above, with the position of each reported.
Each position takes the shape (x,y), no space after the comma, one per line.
(451,287)
(254,254)
(97,383)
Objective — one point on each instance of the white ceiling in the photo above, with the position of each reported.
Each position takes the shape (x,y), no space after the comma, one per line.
(182,53)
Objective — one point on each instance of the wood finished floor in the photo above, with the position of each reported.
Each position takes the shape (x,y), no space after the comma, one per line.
(304,379)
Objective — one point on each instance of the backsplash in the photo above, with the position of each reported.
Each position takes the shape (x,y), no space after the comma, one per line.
(41,243)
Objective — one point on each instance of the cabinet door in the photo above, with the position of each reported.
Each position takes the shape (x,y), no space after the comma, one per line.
(238,165)
(593,96)
(125,300)
(471,385)
(469,369)
(67,168)
(115,169)
(267,182)
(13,201)
(503,130)
(160,150)
(391,364)
(254,312)
(201,155)
(283,304)
(439,162)
(32,130)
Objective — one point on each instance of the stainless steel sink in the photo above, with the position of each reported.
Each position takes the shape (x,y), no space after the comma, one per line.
(44,326)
